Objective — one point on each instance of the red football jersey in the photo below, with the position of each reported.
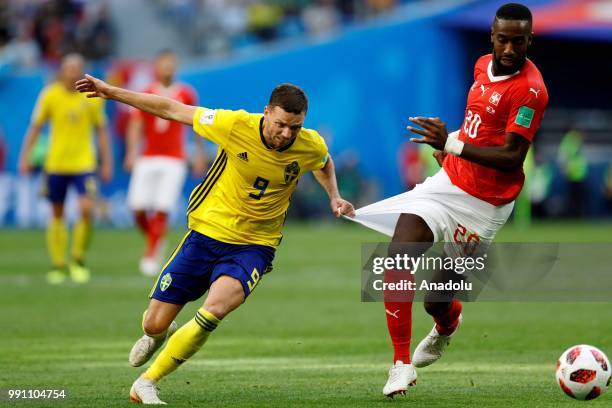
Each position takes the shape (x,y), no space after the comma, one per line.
(497,106)
(164,137)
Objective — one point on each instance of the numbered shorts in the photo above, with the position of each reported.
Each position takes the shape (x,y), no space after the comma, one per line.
(55,186)
(199,260)
(156,183)
(452,214)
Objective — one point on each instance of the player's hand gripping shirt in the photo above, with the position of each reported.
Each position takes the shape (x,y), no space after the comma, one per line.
(72,118)
(165,137)
(246,193)
(497,106)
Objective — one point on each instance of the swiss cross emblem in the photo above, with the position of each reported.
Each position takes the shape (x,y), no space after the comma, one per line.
(494,99)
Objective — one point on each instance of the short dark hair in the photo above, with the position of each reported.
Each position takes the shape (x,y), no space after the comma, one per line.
(513,11)
(289,98)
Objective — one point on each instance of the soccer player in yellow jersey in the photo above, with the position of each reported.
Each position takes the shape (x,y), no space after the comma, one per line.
(70,160)
(235,216)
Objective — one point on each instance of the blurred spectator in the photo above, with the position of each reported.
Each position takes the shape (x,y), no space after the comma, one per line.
(412,168)
(22,51)
(321,17)
(264,19)
(573,164)
(35,30)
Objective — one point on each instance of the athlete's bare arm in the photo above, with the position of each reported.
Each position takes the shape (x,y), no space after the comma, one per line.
(508,157)
(327,178)
(161,106)
(30,139)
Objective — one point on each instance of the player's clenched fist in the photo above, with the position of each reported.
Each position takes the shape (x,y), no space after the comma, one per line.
(342,207)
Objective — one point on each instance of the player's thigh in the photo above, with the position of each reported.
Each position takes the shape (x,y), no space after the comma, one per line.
(159,315)
(245,263)
(225,295)
(170,183)
(143,184)
(186,275)
(54,187)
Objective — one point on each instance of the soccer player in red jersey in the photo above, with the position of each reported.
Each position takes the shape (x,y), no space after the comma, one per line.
(473,194)
(159,173)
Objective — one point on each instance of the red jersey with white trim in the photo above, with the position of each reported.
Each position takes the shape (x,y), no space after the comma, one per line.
(497,106)
(165,137)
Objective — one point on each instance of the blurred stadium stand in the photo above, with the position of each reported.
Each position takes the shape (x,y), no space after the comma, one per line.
(365,64)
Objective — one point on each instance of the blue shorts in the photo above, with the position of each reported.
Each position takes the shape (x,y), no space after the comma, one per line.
(199,260)
(55,186)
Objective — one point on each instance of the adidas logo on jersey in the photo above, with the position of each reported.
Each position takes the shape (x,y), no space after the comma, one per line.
(243,156)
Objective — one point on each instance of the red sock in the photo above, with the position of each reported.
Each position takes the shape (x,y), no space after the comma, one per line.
(447,323)
(398,308)
(157,230)
(142,222)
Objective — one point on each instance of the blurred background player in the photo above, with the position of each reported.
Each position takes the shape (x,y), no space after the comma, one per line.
(70,161)
(159,173)
(472,196)
(235,217)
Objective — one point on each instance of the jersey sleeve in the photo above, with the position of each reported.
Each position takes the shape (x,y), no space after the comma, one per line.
(41,111)
(527,108)
(321,153)
(215,124)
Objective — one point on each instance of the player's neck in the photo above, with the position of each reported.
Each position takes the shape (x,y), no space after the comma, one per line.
(69,86)
(166,83)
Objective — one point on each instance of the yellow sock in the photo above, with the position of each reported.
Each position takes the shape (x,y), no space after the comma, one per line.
(57,241)
(80,238)
(183,344)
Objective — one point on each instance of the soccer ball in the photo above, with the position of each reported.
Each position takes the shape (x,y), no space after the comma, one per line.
(583,372)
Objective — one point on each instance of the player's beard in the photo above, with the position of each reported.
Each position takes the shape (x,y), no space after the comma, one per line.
(508,70)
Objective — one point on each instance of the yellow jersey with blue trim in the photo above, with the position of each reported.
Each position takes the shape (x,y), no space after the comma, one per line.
(246,193)
(72,118)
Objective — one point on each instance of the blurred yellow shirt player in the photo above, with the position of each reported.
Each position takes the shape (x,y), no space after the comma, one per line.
(72,119)
(246,193)
(70,161)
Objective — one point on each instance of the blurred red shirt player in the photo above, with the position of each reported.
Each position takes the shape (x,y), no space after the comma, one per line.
(158,164)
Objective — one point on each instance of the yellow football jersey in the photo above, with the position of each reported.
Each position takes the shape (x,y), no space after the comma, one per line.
(246,193)
(72,117)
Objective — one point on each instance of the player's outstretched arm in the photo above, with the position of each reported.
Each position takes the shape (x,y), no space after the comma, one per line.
(161,106)
(29,141)
(327,178)
(508,157)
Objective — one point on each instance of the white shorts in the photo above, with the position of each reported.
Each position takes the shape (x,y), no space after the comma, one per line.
(451,213)
(156,183)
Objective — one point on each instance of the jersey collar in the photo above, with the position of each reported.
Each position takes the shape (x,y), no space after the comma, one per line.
(493,78)
(263,140)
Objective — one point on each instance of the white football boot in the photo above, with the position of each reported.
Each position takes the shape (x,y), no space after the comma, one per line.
(401,376)
(149,266)
(145,392)
(146,346)
(431,348)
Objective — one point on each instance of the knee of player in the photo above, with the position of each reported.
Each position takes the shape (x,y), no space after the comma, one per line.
(153,326)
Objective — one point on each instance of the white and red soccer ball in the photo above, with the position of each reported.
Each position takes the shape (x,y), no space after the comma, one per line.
(583,372)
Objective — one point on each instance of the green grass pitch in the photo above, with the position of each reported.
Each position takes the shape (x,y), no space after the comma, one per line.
(303,338)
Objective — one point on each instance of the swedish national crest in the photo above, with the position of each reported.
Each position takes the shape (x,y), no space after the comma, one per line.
(292,171)
(165,282)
